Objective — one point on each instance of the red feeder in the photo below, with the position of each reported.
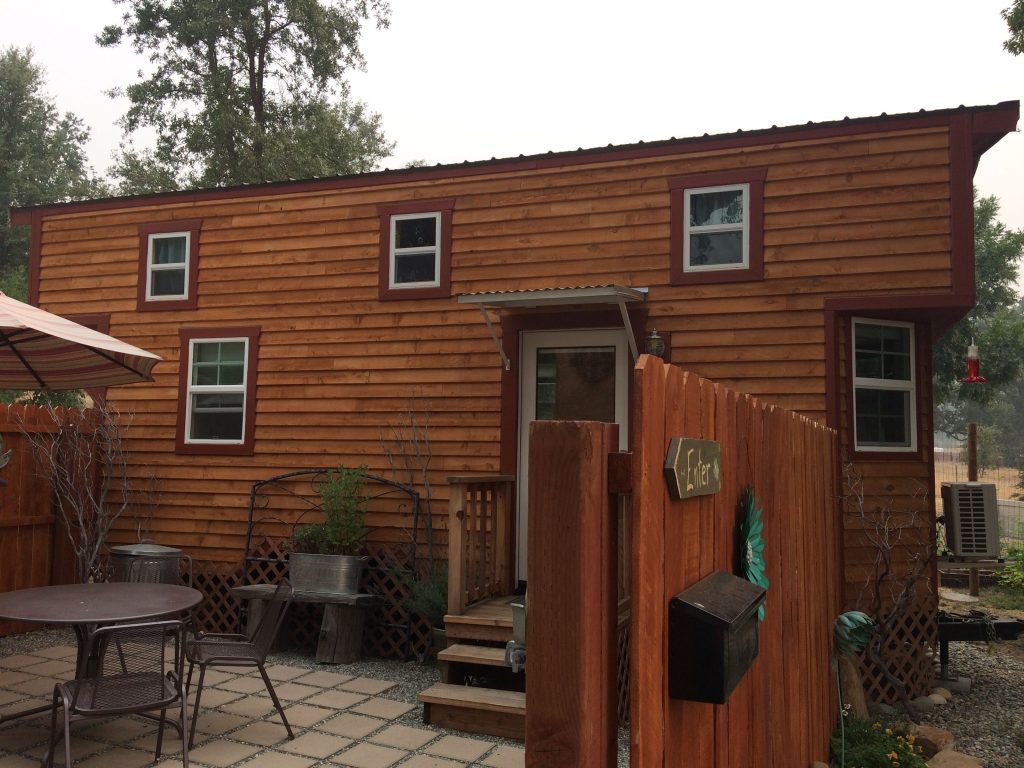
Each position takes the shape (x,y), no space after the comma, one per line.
(973,367)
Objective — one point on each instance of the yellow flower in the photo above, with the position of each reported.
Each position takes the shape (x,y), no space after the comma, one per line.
(888,731)
(910,739)
(892,756)
(876,726)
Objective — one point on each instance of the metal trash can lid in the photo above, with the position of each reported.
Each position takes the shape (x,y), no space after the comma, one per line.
(140,550)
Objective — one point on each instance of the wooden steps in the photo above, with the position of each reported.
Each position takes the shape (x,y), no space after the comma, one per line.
(494,703)
(483,655)
(477,710)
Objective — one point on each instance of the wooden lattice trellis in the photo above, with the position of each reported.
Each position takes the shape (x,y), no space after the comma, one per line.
(910,649)
(622,683)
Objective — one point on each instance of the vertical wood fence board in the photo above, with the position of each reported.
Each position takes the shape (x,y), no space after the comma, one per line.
(647,618)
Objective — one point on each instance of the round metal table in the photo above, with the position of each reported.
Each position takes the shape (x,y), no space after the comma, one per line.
(84,606)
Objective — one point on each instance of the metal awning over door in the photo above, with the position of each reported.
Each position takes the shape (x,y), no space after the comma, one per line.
(618,295)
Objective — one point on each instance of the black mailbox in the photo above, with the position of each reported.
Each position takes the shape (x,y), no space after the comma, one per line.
(712,637)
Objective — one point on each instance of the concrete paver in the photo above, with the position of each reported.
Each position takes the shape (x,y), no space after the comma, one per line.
(338,719)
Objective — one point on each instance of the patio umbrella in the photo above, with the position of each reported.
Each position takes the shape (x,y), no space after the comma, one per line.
(40,350)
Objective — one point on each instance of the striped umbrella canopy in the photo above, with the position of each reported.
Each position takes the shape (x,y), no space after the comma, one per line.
(40,350)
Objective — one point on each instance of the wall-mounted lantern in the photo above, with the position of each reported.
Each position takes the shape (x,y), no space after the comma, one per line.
(654,344)
(973,366)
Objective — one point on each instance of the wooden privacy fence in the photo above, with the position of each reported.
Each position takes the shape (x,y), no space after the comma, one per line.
(783,710)
(34,550)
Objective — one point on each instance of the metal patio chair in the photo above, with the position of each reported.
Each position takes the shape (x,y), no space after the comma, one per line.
(139,671)
(248,650)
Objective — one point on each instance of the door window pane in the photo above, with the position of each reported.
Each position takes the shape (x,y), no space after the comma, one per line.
(576,384)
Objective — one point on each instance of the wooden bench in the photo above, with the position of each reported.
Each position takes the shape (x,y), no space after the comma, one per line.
(341,631)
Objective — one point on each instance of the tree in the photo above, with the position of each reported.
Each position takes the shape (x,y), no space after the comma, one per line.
(42,154)
(995,324)
(1014,18)
(245,91)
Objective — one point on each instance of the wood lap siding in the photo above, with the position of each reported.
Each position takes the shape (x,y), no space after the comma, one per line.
(842,215)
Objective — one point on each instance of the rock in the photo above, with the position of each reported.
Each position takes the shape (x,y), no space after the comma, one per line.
(950,759)
(943,692)
(932,740)
(956,684)
(923,703)
(853,688)
(937,699)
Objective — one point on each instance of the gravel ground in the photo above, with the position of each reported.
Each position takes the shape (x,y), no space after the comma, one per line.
(986,721)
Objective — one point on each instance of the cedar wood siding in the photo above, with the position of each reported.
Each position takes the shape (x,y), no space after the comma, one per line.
(868,213)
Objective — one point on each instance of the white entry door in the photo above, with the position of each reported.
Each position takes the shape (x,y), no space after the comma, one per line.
(572,375)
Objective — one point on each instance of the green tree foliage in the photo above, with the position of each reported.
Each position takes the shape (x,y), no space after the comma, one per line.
(42,156)
(996,324)
(244,91)
(1014,18)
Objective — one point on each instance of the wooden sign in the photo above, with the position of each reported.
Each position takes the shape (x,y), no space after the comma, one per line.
(693,467)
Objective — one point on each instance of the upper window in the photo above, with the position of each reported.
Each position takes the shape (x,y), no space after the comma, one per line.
(415,249)
(217,389)
(168,265)
(717,223)
(884,386)
(415,255)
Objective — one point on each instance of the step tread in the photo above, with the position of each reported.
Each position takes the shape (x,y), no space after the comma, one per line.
(481,621)
(491,699)
(473,654)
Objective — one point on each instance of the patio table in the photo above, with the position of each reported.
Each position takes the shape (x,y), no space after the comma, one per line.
(85,606)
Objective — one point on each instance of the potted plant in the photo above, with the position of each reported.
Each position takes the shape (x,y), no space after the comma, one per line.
(328,556)
(427,598)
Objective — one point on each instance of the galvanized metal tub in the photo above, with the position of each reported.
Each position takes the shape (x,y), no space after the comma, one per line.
(122,557)
(326,573)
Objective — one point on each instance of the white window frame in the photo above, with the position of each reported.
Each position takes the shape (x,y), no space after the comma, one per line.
(218,389)
(910,386)
(151,267)
(700,229)
(395,251)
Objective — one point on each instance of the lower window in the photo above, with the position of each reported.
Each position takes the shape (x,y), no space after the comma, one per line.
(884,386)
(217,390)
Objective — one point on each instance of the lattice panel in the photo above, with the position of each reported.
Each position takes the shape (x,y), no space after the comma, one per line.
(910,650)
(623,672)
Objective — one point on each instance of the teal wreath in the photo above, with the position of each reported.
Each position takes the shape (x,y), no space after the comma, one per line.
(752,543)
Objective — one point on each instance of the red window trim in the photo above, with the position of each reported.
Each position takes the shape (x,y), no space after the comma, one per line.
(443,206)
(192,227)
(677,186)
(186,336)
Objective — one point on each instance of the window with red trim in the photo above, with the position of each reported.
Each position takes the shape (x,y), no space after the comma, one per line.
(217,390)
(168,265)
(717,226)
(415,249)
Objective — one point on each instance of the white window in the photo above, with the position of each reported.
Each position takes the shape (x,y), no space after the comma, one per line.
(883,386)
(716,222)
(216,391)
(415,259)
(167,266)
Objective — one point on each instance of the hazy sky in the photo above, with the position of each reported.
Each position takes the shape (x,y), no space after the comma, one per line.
(472,79)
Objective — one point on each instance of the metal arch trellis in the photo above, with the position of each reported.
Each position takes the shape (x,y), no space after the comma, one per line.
(298,487)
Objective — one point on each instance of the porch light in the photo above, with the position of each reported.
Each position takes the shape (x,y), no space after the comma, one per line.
(973,366)
(654,344)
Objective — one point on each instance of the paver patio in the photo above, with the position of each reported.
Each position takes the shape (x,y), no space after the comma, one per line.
(339,719)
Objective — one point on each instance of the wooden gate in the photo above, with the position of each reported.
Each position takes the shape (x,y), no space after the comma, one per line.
(34,551)
(783,710)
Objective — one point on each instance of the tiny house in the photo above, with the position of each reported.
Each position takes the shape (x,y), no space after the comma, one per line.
(812,266)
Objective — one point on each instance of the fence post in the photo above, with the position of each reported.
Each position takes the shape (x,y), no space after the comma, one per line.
(572,577)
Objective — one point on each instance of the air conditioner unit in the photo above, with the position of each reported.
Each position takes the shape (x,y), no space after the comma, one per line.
(972,519)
